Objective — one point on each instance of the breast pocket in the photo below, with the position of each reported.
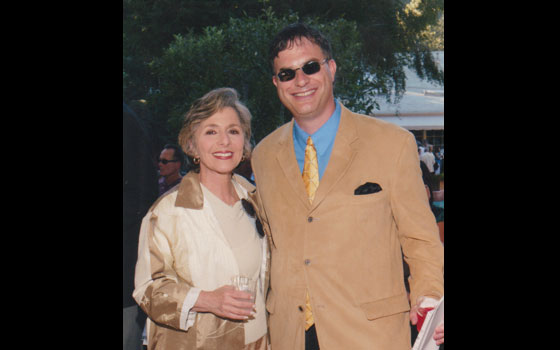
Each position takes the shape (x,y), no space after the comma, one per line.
(372,217)
(369,199)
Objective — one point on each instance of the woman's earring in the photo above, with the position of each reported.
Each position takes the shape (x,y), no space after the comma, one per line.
(242,158)
(196,161)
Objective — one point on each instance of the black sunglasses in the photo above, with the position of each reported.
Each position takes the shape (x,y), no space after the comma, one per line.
(309,68)
(165,161)
(250,210)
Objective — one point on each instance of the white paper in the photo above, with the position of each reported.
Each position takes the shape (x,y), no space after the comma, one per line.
(425,339)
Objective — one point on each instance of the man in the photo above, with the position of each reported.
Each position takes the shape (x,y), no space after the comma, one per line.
(139,192)
(336,268)
(429,159)
(170,162)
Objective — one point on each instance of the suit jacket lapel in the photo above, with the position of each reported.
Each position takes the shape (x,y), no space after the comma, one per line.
(343,153)
(287,159)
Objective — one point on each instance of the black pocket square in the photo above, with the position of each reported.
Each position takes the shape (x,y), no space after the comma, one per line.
(367,188)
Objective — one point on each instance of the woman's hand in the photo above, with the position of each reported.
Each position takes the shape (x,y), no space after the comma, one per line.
(226,302)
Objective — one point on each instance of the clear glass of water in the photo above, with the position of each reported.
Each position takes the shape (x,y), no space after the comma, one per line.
(245,284)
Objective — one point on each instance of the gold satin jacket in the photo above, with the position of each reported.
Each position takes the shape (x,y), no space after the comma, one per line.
(181,251)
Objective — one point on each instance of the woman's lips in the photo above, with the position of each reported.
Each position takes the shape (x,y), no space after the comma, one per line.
(223,155)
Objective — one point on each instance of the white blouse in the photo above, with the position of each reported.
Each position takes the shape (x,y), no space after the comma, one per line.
(239,229)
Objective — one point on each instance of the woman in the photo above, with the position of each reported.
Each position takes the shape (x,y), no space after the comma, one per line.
(198,236)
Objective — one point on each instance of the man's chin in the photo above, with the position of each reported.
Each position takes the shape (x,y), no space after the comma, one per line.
(305,111)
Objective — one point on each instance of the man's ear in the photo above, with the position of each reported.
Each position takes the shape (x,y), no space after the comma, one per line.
(332,67)
(274,81)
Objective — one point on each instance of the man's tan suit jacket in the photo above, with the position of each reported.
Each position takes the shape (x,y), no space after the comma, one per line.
(345,249)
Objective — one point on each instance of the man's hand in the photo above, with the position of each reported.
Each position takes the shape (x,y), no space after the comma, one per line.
(417,315)
(414,314)
(438,334)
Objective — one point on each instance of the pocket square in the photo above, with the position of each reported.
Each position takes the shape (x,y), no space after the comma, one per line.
(367,188)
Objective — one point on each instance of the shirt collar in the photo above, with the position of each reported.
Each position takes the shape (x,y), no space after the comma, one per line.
(322,138)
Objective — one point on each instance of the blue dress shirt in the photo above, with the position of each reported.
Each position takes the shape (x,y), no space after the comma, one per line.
(323,139)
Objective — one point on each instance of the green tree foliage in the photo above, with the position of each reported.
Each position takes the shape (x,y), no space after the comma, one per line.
(235,55)
(393,33)
(149,26)
(174,51)
(433,35)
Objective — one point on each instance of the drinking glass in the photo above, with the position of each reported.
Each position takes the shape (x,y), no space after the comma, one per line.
(245,284)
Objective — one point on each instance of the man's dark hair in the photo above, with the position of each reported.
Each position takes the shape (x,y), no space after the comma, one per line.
(177,152)
(296,31)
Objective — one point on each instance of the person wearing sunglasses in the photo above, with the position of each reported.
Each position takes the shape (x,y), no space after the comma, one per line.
(170,162)
(342,199)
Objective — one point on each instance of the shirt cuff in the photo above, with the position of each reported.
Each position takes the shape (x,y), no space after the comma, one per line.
(428,302)
(187,316)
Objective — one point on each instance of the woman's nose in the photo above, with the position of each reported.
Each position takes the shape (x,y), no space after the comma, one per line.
(224,139)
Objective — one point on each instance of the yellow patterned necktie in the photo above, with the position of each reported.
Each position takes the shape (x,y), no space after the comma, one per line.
(310,170)
(311,181)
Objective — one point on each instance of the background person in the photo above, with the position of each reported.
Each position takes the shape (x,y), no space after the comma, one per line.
(429,159)
(170,163)
(197,236)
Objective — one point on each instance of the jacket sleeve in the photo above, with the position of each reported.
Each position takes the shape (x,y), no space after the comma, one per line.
(256,201)
(416,224)
(158,290)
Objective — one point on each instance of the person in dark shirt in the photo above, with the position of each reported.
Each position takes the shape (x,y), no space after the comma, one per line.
(170,162)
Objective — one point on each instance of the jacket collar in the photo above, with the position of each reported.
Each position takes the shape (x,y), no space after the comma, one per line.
(190,194)
(343,153)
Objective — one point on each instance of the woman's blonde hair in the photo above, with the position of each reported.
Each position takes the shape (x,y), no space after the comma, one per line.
(208,105)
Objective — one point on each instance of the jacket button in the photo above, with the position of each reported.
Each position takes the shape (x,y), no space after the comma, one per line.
(307,262)
(300,308)
(310,219)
